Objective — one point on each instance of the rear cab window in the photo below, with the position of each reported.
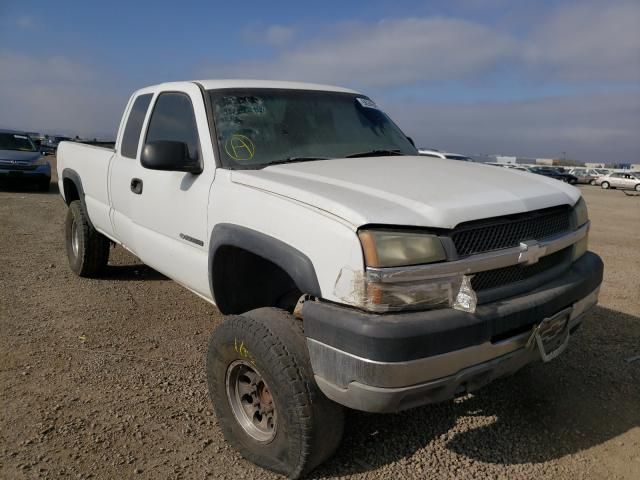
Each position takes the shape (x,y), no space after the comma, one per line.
(131,136)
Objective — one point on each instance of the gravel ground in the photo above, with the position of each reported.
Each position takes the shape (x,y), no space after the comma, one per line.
(104,378)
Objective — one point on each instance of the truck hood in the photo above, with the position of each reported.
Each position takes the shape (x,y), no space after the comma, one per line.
(19,155)
(409,190)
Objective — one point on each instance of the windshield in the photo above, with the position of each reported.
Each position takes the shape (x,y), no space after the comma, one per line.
(256,127)
(15,141)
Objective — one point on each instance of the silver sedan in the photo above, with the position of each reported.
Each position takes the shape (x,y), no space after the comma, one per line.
(627,180)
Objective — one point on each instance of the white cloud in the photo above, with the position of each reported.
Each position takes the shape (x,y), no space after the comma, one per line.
(274,35)
(25,22)
(588,42)
(589,128)
(386,53)
(584,42)
(277,35)
(56,94)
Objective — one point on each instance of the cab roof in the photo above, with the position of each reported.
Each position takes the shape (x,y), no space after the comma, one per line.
(245,83)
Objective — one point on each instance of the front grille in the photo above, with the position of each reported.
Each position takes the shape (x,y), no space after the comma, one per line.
(516,273)
(506,232)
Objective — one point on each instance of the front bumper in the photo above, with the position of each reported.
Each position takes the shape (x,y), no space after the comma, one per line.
(387,363)
(40,172)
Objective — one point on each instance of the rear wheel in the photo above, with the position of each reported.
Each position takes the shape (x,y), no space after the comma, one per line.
(592,182)
(87,249)
(605,185)
(264,394)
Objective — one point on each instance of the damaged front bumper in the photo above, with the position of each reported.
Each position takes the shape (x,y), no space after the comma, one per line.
(395,361)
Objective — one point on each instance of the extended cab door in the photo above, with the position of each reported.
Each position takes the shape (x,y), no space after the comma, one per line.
(170,208)
(124,167)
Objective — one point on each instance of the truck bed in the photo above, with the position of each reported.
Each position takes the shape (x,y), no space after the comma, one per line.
(91,164)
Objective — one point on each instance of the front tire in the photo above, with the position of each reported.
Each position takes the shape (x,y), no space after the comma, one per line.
(605,185)
(87,249)
(637,189)
(263,392)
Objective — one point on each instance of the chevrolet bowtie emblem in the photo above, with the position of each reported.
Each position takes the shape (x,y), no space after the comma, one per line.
(530,252)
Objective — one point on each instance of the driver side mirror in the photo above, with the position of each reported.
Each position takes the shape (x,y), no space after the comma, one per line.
(170,156)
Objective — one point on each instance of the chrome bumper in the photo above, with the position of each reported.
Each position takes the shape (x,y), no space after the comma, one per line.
(374,386)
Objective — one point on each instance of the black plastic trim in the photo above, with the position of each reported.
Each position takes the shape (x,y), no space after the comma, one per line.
(295,263)
(211,124)
(70,174)
(396,337)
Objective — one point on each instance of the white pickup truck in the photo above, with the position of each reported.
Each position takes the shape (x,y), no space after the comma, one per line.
(352,271)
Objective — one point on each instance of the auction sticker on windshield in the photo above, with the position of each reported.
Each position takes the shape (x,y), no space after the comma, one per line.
(366,102)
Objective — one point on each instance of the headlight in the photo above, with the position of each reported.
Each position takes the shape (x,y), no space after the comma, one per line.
(386,248)
(580,213)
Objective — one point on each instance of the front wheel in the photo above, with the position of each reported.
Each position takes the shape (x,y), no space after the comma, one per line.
(265,397)
(637,189)
(87,249)
(605,185)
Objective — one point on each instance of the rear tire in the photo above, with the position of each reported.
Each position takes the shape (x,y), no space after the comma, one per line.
(267,347)
(592,182)
(87,249)
(605,185)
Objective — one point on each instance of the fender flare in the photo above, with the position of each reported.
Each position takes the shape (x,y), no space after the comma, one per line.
(72,175)
(295,263)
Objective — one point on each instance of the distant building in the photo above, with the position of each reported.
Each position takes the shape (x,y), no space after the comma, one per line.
(506,160)
(546,161)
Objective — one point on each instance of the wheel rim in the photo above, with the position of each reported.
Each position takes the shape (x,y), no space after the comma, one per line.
(75,238)
(251,401)
(605,185)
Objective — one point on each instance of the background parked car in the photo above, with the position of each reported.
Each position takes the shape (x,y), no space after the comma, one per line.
(586,175)
(49,145)
(20,159)
(627,180)
(553,173)
(438,154)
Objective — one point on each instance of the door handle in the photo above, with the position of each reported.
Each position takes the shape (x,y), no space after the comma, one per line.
(136,186)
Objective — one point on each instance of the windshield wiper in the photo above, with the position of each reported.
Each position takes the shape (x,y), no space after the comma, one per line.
(295,159)
(375,153)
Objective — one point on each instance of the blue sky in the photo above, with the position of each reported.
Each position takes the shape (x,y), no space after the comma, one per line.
(477,76)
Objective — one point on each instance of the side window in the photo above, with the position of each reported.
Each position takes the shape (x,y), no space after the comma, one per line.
(129,147)
(173,119)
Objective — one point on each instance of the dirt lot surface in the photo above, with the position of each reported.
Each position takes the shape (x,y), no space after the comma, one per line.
(105,379)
